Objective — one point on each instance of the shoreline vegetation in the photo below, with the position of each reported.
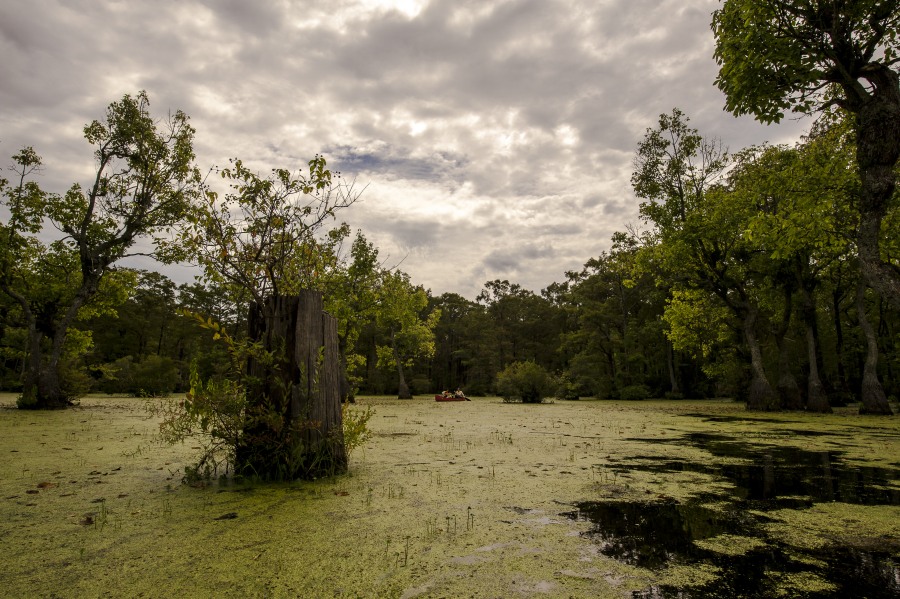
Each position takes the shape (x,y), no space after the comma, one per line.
(474,499)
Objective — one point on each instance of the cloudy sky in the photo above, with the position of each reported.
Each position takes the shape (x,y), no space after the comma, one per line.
(494,138)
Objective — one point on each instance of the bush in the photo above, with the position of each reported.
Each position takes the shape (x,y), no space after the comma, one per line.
(212,414)
(634,392)
(154,376)
(525,381)
(568,388)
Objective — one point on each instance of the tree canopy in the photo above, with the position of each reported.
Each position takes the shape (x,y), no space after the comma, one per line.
(144,184)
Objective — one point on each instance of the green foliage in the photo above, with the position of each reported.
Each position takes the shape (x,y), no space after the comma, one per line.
(525,381)
(780,55)
(635,393)
(212,414)
(567,387)
(355,423)
(263,237)
(144,184)
(154,376)
(699,324)
(674,166)
(351,296)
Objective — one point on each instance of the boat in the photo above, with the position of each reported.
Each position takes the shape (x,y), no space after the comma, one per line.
(450,398)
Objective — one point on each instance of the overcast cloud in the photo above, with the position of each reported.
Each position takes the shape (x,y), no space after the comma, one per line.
(494,138)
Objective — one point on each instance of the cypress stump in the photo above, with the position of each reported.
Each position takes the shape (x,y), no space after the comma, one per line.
(293,428)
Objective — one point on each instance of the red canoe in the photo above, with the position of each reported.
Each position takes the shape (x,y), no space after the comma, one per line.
(452,398)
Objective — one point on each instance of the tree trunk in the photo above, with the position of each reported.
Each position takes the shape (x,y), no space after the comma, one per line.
(670,363)
(877,153)
(842,387)
(42,388)
(872,397)
(293,427)
(788,390)
(816,398)
(402,388)
(760,396)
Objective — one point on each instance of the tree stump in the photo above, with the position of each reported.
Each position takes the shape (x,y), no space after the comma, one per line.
(293,427)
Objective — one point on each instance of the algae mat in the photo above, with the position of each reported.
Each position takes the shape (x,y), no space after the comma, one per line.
(470,499)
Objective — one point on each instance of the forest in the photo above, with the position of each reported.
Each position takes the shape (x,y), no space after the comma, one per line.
(768,274)
(742,275)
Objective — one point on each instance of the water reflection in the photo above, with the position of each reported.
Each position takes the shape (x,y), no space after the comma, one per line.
(656,535)
(772,476)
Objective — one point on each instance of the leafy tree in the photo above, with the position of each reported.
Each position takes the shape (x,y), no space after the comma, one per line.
(523,324)
(617,341)
(264,236)
(409,330)
(144,184)
(352,298)
(700,232)
(460,342)
(525,381)
(263,240)
(779,55)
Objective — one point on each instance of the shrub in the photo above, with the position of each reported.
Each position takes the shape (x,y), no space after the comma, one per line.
(355,425)
(568,388)
(525,381)
(420,384)
(212,414)
(154,376)
(635,392)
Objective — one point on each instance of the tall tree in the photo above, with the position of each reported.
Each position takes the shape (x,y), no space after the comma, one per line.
(267,237)
(144,183)
(779,55)
(700,230)
(402,316)
(351,296)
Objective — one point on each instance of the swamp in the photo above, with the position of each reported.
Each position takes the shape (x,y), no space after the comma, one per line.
(649,499)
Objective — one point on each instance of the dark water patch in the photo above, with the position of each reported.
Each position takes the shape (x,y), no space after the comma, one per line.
(768,476)
(708,418)
(658,535)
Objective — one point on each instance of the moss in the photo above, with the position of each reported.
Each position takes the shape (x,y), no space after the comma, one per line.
(730,544)
(858,526)
(798,584)
(695,575)
(445,500)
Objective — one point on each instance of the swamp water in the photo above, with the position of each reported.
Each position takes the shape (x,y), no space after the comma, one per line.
(747,562)
(476,499)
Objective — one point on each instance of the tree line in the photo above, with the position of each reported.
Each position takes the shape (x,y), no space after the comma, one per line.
(768,273)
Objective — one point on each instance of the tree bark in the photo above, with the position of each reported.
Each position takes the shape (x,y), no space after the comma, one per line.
(816,398)
(843,388)
(877,153)
(402,388)
(293,427)
(760,396)
(872,397)
(788,390)
(42,386)
(670,363)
